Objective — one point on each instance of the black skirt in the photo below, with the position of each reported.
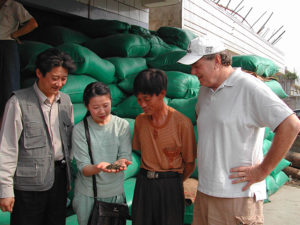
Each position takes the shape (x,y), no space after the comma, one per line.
(158,201)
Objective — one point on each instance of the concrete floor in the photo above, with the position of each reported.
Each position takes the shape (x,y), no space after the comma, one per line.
(284,208)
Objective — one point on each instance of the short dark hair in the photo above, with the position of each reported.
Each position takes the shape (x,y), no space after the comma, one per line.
(53,57)
(150,81)
(226,58)
(95,89)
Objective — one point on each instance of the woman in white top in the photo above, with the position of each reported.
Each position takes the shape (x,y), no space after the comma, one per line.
(110,143)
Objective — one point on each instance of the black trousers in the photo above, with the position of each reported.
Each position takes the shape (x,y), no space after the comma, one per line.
(9,70)
(42,207)
(158,201)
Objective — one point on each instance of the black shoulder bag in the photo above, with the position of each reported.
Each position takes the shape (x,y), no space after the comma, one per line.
(104,213)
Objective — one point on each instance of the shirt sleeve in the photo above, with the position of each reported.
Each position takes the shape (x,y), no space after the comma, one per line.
(22,14)
(80,147)
(189,150)
(267,109)
(125,142)
(9,145)
(136,145)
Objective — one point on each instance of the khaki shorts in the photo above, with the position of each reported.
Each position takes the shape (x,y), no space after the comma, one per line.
(210,210)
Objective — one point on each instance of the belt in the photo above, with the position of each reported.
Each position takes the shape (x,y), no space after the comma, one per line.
(60,163)
(159,175)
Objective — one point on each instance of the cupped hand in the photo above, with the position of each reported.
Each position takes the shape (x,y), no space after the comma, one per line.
(124,163)
(102,167)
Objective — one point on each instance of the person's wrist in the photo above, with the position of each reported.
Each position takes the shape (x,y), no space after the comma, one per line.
(13,36)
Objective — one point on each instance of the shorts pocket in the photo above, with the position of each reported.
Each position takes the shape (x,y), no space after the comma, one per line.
(249,220)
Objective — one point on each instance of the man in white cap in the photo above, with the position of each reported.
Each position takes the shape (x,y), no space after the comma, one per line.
(233,108)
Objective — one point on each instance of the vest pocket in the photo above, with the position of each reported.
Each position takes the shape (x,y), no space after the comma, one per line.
(34,135)
(31,171)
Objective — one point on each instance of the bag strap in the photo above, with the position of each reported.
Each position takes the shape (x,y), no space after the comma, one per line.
(88,140)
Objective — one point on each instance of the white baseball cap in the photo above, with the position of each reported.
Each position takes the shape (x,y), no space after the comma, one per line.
(200,47)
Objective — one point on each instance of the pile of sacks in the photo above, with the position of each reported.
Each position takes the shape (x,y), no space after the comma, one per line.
(114,52)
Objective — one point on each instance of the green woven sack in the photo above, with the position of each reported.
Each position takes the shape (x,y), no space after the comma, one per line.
(87,62)
(195,173)
(196,132)
(176,36)
(266,146)
(267,131)
(260,65)
(281,178)
(129,108)
(276,88)
(272,187)
(72,220)
(158,46)
(101,28)
(129,186)
(57,35)
(134,167)
(131,125)
(29,48)
(120,45)
(75,87)
(168,62)
(270,136)
(29,69)
(4,218)
(188,214)
(280,166)
(185,106)
(79,112)
(127,84)
(134,29)
(182,85)
(127,66)
(117,95)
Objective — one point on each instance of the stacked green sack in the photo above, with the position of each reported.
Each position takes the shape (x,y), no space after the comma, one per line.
(126,67)
(87,62)
(185,106)
(57,35)
(120,45)
(101,27)
(176,36)
(182,85)
(276,88)
(260,65)
(277,178)
(75,86)
(4,218)
(157,45)
(29,48)
(168,62)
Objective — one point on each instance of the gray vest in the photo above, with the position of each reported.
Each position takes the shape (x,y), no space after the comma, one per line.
(35,167)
